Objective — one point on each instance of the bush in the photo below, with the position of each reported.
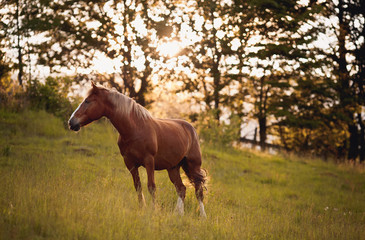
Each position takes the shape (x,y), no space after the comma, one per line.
(217,133)
(12,97)
(50,96)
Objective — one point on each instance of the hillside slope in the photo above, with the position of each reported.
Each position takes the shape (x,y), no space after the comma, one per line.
(57,184)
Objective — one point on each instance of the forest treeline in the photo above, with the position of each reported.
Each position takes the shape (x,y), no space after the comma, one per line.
(295,67)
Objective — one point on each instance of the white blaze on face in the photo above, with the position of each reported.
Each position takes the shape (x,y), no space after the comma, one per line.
(73,114)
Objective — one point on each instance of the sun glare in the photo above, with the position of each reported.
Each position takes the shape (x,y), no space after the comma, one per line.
(169,49)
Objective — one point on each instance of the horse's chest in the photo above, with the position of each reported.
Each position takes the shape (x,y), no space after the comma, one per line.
(137,149)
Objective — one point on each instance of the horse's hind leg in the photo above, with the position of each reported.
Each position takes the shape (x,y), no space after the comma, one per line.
(200,196)
(192,168)
(174,175)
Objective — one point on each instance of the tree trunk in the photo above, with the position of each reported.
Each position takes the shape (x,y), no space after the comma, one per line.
(20,54)
(263,127)
(282,138)
(353,142)
(254,139)
(216,82)
(362,138)
(215,67)
(345,92)
(216,95)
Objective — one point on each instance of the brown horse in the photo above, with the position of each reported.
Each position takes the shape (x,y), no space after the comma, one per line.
(155,144)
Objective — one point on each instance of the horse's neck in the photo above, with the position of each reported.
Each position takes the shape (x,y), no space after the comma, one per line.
(127,124)
(123,124)
(116,117)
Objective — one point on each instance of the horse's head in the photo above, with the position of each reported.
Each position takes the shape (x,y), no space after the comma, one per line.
(91,109)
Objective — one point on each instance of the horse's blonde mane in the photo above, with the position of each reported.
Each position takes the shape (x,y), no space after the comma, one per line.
(125,105)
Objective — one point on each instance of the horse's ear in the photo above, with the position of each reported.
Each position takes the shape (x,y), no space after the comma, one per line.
(94,86)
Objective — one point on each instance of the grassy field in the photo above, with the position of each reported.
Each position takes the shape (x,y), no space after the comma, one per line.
(56,184)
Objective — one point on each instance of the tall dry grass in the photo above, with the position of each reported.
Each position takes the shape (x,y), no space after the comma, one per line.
(55,184)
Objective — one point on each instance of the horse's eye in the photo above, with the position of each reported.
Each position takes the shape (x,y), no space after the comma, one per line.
(87,101)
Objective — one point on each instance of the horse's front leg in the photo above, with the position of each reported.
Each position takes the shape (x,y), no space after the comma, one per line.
(150,168)
(137,184)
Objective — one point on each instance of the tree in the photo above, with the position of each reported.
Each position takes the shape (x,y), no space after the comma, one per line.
(12,31)
(62,29)
(207,56)
(306,121)
(72,32)
(280,34)
(139,27)
(5,69)
(347,55)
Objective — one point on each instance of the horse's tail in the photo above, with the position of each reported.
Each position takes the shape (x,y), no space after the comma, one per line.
(192,162)
(196,176)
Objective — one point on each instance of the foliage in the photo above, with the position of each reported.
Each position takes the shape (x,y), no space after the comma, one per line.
(140,26)
(348,53)
(259,59)
(71,33)
(306,120)
(51,96)
(5,70)
(218,133)
(282,44)
(56,184)
(205,59)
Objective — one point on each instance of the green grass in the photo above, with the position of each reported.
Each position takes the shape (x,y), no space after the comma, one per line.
(57,184)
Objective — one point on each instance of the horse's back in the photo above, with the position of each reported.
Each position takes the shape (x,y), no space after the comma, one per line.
(175,129)
(175,139)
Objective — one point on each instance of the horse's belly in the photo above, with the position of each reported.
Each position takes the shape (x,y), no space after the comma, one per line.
(167,162)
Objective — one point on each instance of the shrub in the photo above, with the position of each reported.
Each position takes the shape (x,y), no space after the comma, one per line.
(50,96)
(218,133)
(12,97)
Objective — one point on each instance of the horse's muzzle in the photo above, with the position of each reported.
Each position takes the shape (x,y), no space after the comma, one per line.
(74,125)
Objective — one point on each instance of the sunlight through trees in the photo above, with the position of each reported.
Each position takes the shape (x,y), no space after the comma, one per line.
(295,68)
